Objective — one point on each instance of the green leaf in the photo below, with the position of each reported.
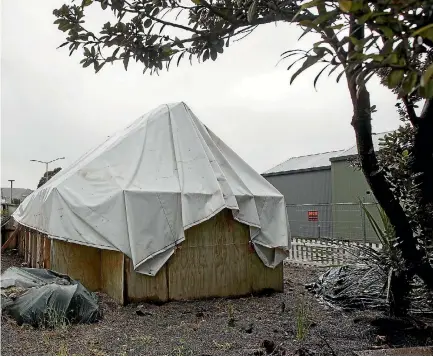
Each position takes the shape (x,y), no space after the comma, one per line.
(86,3)
(325,17)
(425,78)
(294,62)
(309,29)
(311,4)
(213,54)
(409,82)
(306,6)
(339,76)
(126,60)
(318,75)
(151,40)
(422,30)
(429,90)
(64,44)
(391,59)
(197,2)
(321,51)
(333,69)
(178,43)
(206,55)
(336,27)
(364,18)
(87,63)
(376,58)
(180,57)
(308,63)
(387,47)
(395,77)
(115,52)
(147,23)
(386,31)
(252,10)
(345,5)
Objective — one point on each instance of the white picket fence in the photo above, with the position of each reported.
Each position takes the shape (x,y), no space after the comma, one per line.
(325,252)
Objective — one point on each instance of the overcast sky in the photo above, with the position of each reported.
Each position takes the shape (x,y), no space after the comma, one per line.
(52,107)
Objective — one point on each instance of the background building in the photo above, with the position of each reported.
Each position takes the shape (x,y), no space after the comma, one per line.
(323,193)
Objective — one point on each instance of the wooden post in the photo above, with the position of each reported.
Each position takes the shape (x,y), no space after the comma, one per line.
(10,240)
(33,238)
(40,250)
(29,249)
(47,252)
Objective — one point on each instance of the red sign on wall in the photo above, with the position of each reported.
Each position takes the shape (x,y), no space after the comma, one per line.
(313,216)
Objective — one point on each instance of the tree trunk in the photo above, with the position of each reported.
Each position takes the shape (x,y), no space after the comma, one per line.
(423,166)
(415,257)
(399,293)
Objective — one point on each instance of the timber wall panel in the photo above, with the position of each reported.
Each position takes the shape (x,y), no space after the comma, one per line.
(34,242)
(47,252)
(112,274)
(80,262)
(40,251)
(140,287)
(20,238)
(262,277)
(212,262)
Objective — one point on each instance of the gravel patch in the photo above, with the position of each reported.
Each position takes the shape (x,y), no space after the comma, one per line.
(255,325)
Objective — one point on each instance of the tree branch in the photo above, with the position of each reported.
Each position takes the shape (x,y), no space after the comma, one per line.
(410,110)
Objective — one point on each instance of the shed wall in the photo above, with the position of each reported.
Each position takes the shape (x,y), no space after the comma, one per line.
(304,187)
(307,188)
(350,185)
(214,261)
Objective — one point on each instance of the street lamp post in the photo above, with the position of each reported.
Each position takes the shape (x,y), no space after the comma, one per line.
(11,181)
(46,165)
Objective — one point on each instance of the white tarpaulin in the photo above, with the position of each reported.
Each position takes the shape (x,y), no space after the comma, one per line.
(142,188)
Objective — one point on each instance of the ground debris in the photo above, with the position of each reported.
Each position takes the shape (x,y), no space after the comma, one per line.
(174,328)
(41,297)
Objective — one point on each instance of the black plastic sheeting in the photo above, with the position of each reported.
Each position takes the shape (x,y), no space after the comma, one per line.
(352,286)
(41,297)
(364,287)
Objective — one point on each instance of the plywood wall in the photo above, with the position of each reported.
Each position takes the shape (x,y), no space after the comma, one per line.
(112,274)
(78,261)
(262,277)
(212,261)
(140,287)
(47,253)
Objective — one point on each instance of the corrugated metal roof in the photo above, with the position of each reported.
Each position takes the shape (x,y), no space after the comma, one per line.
(354,150)
(304,162)
(321,160)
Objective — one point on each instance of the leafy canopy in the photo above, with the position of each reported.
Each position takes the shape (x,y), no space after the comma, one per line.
(48,176)
(361,37)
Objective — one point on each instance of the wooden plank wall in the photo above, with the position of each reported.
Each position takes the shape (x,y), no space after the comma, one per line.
(78,261)
(140,287)
(214,261)
(34,247)
(112,274)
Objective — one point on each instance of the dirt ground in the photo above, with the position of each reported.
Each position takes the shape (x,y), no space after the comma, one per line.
(266,325)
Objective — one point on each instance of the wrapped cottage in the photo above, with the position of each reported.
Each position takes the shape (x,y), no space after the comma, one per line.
(162,210)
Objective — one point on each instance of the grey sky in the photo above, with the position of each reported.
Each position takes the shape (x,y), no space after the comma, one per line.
(51,106)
